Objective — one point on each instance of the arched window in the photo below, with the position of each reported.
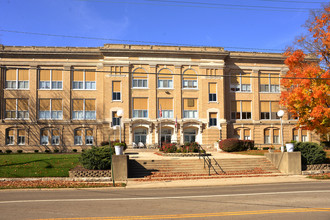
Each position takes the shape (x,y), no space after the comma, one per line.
(50,136)
(165,79)
(140,78)
(189,79)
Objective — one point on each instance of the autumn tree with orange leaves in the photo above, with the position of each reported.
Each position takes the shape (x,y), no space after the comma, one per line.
(307,83)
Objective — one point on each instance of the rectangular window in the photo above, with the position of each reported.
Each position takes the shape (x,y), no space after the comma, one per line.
(240,82)
(140,107)
(295,135)
(85,80)
(268,110)
(50,79)
(21,137)
(78,137)
(115,119)
(247,134)
(89,137)
(190,108)
(276,136)
(116,88)
(17,109)
(55,139)
(17,79)
(212,92)
(241,110)
(10,137)
(50,109)
(166,107)
(269,83)
(304,137)
(267,136)
(84,109)
(213,119)
(44,137)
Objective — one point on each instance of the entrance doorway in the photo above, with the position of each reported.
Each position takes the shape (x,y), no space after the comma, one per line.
(189,135)
(166,136)
(140,135)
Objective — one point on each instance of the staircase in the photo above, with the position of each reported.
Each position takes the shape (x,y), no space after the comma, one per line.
(158,170)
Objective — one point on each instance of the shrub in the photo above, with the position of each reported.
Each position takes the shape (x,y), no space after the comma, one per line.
(190,147)
(248,144)
(19,151)
(233,145)
(74,150)
(326,145)
(168,148)
(36,151)
(97,158)
(311,153)
(9,151)
(104,143)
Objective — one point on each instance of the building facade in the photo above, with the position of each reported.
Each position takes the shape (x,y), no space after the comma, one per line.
(71,97)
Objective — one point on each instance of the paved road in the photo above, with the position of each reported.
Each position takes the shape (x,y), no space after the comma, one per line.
(265,201)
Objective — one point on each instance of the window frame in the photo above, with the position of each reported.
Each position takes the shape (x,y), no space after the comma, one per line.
(242,115)
(51,111)
(83,112)
(50,82)
(17,81)
(84,82)
(239,87)
(267,88)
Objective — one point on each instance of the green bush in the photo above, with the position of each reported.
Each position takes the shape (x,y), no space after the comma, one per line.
(234,145)
(97,158)
(311,153)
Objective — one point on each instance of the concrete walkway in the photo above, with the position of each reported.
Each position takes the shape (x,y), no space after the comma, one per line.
(222,181)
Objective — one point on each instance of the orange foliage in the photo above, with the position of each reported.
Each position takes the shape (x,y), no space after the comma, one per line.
(307,85)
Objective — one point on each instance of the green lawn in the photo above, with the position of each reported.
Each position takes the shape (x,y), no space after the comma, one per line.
(37,165)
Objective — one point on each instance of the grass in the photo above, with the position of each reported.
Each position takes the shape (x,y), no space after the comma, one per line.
(325,176)
(37,165)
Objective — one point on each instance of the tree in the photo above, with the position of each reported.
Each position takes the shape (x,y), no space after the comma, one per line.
(307,83)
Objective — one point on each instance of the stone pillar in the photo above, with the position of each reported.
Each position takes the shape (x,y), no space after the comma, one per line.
(120,167)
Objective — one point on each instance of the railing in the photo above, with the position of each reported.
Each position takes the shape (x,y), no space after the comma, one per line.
(208,161)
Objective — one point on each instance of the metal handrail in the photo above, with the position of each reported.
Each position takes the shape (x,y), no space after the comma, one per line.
(208,161)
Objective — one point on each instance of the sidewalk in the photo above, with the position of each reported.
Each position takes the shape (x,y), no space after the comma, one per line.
(221,182)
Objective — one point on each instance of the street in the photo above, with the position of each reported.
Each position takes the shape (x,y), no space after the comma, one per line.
(263,201)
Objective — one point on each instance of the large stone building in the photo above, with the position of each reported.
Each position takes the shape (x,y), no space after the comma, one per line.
(69,97)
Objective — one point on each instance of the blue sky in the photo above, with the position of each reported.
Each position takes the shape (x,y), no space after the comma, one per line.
(207,24)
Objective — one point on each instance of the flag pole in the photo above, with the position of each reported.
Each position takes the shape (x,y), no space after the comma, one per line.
(160,124)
